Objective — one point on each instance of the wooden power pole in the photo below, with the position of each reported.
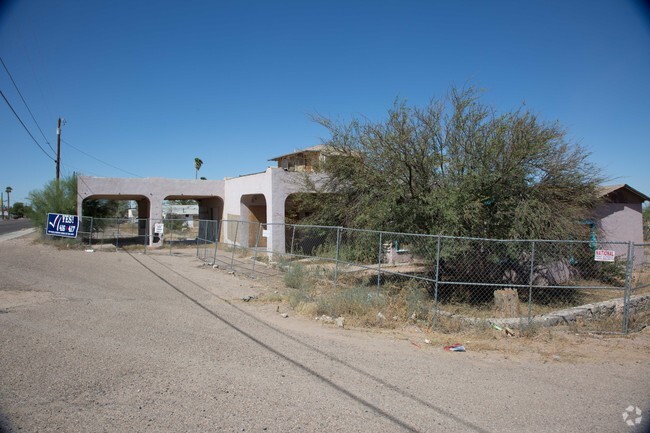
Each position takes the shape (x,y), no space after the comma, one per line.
(58,151)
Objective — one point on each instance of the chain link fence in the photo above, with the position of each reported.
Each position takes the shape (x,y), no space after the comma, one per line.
(442,279)
(113,233)
(638,302)
(382,276)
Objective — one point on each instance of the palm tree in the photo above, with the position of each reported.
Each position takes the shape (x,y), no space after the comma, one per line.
(197,164)
(8,191)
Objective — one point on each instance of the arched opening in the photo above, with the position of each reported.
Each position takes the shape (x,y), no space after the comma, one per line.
(188,218)
(297,207)
(117,219)
(253,211)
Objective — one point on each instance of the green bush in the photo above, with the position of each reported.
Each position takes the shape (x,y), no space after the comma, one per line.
(296,276)
(353,301)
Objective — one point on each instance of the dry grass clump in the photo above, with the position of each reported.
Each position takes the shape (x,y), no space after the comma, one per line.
(362,301)
(358,300)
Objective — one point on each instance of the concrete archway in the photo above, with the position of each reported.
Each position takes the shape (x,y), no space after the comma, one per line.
(143,203)
(253,210)
(150,193)
(210,208)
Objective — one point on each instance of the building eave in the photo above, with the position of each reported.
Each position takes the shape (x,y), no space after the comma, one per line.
(608,189)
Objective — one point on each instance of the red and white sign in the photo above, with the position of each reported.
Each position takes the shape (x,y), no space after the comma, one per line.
(605,255)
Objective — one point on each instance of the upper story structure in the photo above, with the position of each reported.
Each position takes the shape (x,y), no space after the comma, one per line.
(303,161)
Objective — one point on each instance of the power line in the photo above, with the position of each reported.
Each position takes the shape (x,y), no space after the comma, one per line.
(22,123)
(25,102)
(67,167)
(99,160)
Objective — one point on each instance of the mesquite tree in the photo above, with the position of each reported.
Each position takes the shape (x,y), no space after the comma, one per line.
(455,167)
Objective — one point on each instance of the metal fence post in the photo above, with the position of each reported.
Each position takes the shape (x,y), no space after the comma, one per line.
(198,237)
(530,281)
(117,238)
(234,246)
(90,237)
(338,248)
(146,233)
(216,240)
(379,254)
(257,244)
(171,236)
(628,286)
(203,238)
(435,293)
(293,237)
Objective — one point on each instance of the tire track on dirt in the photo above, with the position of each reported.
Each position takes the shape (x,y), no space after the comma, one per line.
(398,393)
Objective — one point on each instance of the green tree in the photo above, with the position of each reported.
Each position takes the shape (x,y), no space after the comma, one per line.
(197,165)
(455,167)
(187,202)
(55,197)
(105,208)
(61,197)
(19,210)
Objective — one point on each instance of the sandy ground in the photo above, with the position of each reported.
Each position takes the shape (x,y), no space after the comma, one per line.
(99,342)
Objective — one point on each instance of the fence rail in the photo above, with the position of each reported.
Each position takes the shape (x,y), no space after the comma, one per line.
(436,276)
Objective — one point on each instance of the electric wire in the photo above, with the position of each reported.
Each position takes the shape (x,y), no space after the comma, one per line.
(22,123)
(77,170)
(35,45)
(99,160)
(25,102)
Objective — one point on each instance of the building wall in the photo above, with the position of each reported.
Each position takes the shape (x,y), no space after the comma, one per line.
(275,185)
(621,222)
(150,193)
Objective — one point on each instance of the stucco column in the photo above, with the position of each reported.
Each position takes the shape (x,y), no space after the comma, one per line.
(275,212)
(155,216)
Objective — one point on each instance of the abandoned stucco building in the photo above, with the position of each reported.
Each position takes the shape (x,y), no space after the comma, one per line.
(265,198)
(259,197)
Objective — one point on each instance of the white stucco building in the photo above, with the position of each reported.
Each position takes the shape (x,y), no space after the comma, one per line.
(258,198)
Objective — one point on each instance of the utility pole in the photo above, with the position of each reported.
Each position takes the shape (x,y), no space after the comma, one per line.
(58,151)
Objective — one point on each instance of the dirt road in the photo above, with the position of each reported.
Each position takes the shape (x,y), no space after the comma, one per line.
(111,342)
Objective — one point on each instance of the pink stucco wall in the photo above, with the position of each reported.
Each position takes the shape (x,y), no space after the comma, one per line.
(621,222)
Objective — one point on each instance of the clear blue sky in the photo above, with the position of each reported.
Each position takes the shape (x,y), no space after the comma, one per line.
(147,86)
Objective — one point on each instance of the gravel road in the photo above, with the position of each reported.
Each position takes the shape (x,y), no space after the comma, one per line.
(112,342)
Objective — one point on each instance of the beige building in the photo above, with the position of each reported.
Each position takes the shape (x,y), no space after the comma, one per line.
(259,198)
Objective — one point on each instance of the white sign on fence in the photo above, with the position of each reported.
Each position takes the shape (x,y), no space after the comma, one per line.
(265,233)
(159,228)
(604,255)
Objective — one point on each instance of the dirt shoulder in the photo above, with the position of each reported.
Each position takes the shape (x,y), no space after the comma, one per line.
(106,341)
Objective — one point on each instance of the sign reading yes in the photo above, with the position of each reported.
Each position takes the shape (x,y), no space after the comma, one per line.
(62,225)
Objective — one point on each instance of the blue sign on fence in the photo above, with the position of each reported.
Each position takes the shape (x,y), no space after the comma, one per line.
(62,225)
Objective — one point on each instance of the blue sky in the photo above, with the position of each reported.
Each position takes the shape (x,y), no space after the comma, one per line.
(147,86)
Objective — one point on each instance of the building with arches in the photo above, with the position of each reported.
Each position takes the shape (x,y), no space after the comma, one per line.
(259,197)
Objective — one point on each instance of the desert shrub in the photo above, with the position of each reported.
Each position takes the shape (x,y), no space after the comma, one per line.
(296,276)
(352,301)
(297,297)
(174,222)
